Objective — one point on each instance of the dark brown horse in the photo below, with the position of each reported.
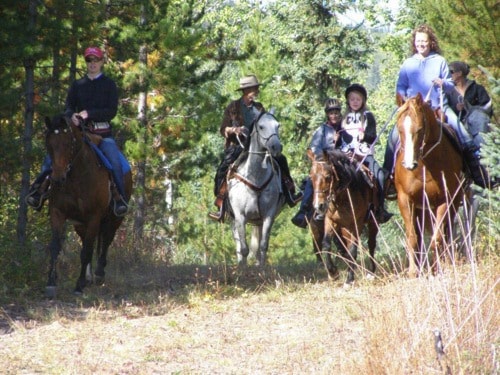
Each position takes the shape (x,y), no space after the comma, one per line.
(344,197)
(80,193)
(429,181)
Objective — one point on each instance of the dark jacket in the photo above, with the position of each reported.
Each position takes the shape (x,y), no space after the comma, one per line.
(233,117)
(99,97)
(475,95)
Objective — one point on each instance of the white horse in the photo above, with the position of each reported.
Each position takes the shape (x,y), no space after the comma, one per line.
(254,190)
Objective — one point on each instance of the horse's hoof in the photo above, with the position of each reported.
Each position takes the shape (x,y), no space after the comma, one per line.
(370,276)
(348,285)
(333,274)
(99,280)
(78,293)
(50,292)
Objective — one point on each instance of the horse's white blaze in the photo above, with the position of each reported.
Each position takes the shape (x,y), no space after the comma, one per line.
(409,157)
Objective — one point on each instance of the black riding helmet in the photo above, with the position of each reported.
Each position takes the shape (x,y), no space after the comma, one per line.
(358,88)
(331,104)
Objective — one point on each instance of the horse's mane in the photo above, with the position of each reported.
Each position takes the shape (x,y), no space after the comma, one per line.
(348,169)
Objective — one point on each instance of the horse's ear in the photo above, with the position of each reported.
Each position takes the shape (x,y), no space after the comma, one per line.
(399,100)
(272,111)
(419,99)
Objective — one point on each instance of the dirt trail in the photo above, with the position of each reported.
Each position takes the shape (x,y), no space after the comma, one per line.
(314,329)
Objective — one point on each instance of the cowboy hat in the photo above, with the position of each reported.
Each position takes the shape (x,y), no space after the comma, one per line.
(248,82)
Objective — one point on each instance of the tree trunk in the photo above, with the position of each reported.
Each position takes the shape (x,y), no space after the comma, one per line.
(29,67)
(142,115)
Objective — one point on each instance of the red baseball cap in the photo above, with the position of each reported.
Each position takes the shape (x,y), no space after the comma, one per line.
(94,51)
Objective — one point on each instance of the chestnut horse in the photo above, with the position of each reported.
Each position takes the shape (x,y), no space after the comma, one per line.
(344,197)
(80,193)
(429,181)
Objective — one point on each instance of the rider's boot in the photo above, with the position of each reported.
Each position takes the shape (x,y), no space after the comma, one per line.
(120,206)
(219,202)
(381,214)
(291,197)
(389,187)
(38,192)
(478,172)
(300,218)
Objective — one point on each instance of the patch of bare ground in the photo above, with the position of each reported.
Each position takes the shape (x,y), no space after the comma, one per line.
(218,321)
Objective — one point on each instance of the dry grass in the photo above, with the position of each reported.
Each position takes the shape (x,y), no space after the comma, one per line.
(194,320)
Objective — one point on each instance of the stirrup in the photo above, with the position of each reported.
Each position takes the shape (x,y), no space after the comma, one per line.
(293,199)
(36,199)
(216,216)
(120,207)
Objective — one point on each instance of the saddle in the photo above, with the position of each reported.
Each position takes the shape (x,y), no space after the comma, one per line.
(451,134)
(368,176)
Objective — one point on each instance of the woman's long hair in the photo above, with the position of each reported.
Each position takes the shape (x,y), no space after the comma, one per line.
(426,29)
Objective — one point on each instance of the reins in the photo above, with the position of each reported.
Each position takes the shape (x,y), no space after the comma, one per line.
(329,188)
(267,156)
(441,120)
(74,153)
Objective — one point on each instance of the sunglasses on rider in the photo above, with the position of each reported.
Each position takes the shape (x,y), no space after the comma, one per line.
(91,60)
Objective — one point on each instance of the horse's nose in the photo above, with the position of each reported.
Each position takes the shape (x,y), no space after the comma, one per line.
(410,166)
(318,216)
(276,149)
(319,211)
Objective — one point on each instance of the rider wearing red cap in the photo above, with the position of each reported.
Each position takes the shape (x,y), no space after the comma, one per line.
(93,99)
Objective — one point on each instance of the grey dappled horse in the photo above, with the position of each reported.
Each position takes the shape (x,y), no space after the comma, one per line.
(254,190)
(477,122)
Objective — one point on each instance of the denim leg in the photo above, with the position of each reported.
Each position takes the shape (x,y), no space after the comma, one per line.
(46,170)
(462,133)
(390,148)
(110,150)
(306,203)
(47,164)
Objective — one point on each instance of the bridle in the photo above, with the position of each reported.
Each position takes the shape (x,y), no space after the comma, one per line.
(329,188)
(74,152)
(265,140)
(421,154)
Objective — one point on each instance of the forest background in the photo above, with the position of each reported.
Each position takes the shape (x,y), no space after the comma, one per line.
(177,64)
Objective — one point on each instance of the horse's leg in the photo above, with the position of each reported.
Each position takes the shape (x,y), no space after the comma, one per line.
(351,244)
(105,238)
(317,233)
(372,243)
(467,229)
(88,237)
(409,219)
(255,241)
(267,224)
(441,238)
(422,255)
(326,250)
(239,236)
(57,225)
